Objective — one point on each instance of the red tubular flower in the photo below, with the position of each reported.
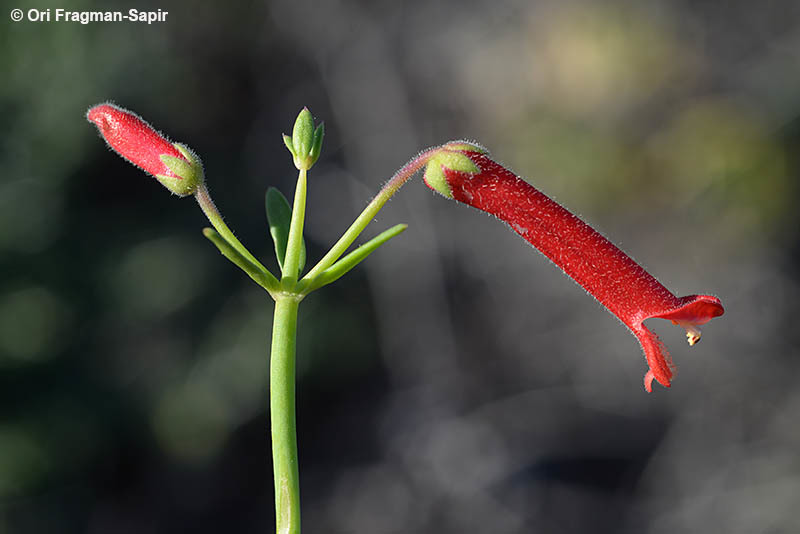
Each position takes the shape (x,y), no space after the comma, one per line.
(465,173)
(174,165)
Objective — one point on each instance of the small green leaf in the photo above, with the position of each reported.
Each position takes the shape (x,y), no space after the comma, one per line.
(261,276)
(344,265)
(279,217)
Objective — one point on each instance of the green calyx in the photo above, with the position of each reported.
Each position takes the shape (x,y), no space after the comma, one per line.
(465,146)
(305,144)
(449,157)
(188,171)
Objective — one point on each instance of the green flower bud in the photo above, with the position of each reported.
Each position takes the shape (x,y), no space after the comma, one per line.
(305,144)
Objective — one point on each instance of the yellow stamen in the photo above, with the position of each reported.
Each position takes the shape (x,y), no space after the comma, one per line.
(692,334)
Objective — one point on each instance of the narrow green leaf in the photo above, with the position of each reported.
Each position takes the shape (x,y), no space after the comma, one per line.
(344,265)
(279,217)
(261,276)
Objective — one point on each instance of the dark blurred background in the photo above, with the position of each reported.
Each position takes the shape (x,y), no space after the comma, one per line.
(456,382)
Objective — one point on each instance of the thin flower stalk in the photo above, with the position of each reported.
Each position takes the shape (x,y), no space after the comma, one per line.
(365,217)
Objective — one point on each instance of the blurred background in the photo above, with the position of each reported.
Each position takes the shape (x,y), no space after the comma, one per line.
(456,382)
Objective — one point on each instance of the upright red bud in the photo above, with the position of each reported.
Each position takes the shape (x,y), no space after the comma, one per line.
(465,173)
(172,164)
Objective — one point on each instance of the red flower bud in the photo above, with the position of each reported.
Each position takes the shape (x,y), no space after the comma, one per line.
(174,165)
(604,271)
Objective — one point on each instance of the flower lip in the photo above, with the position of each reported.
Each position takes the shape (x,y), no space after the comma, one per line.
(694,310)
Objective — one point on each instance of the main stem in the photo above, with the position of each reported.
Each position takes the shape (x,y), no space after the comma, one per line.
(282,415)
(284,332)
(282,376)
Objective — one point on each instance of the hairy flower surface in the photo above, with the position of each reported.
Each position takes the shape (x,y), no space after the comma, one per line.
(620,284)
(174,165)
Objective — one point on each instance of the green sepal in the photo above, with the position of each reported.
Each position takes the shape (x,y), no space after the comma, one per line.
(465,146)
(445,159)
(316,147)
(189,154)
(189,171)
(436,180)
(279,217)
(344,265)
(288,142)
(261,276)
(456,161)
(179,166)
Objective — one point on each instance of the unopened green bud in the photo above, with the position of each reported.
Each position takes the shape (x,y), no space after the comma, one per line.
(305,144)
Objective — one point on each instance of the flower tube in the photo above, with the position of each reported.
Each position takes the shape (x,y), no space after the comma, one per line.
(465,173)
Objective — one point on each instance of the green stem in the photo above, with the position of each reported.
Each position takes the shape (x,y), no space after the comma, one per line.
(260,276)
(294,243)
(215,218)
(282,415)
(282,375)
(344,265)
(361,222)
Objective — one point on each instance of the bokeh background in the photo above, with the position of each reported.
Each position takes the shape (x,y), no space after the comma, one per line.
(456,382)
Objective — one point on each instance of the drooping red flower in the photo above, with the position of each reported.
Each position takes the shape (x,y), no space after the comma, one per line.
(175,166)
(465,173)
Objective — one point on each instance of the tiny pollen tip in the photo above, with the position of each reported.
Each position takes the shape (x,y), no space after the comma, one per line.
(692,334)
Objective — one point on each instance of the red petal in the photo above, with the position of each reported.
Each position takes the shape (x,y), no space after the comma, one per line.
(695,310)
(133,138)
(661,367)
